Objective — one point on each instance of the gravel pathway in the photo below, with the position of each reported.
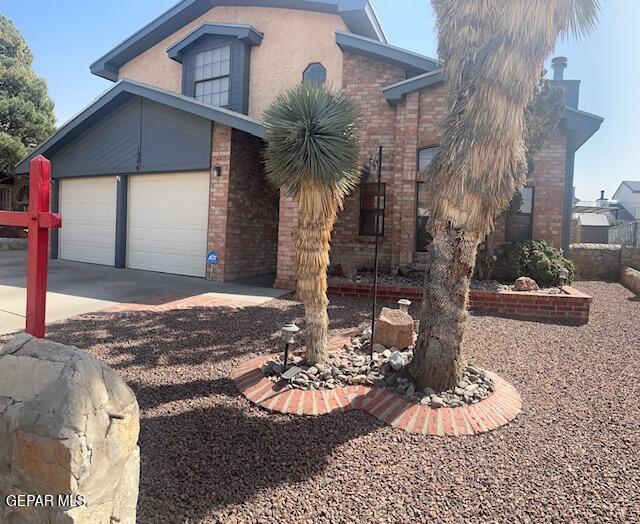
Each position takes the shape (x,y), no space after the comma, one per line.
(209,456)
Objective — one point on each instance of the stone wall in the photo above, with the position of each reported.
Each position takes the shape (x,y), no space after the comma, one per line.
(596,261)
(630,278)
(630,256)
(68,429)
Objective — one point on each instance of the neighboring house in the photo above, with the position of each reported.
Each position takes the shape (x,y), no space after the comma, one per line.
(166,166)
(628,195)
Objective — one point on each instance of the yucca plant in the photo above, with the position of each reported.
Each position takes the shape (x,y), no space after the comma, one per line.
(312,155)
(492,53)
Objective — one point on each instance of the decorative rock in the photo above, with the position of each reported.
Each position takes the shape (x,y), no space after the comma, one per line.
(396,361)
(68,424)
(394,328)
(291,372)
(525,284)
(359,379)
(379,348)
(437,402)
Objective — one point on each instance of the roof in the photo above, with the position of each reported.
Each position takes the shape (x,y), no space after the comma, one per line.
(125,88)
(358,15)
(361,45)
(395,92)
(633,185)
(242,32)
(580,124)
(592,219)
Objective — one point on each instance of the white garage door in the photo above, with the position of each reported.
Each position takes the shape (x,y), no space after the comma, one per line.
(88,208)
(167,223)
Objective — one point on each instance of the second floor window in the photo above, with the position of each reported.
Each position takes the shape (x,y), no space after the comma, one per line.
(212,76)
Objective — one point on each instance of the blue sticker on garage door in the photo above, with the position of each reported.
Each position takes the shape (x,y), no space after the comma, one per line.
(212,258)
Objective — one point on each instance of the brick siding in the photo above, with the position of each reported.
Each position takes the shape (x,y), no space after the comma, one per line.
(243,215)
(403,130)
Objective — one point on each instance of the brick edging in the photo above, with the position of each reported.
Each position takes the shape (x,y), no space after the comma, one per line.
(495,411)
(571,306)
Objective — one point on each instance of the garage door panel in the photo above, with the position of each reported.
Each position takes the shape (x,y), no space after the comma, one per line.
(167,223)
(88,205)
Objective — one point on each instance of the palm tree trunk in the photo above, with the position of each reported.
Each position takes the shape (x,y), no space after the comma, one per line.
(317,208)
(437,360)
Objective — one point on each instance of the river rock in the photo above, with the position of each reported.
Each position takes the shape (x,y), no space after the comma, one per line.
(394,328)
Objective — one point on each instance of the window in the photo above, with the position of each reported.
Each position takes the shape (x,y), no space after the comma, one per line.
(371,210)
(423,239)
(212,76)
(315,73)
(518,226)
(425,156)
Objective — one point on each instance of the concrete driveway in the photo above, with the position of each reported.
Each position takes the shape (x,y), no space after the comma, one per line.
(75,288)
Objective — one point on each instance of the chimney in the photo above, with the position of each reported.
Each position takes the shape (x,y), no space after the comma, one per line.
(559,64)
(602,201)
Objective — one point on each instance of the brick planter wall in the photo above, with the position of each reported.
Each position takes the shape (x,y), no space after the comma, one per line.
(571,307)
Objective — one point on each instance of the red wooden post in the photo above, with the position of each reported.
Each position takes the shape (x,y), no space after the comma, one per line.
(39,220)
(38,239)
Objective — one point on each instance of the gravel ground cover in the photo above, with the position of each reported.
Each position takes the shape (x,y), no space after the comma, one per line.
(210,456)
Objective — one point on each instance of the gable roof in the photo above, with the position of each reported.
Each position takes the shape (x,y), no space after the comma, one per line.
(358,15)
(129,87)
(633,185)
(580,124)
(242,32)
(361,45)
(395,92)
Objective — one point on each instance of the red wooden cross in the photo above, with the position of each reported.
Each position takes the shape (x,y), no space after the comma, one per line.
(39,220)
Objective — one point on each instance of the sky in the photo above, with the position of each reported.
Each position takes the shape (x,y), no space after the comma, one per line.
(68,35)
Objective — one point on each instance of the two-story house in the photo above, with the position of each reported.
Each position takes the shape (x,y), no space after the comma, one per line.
(165,167)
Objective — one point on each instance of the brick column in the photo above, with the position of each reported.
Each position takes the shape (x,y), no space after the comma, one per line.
(219,198)
(404,183)
(287,223)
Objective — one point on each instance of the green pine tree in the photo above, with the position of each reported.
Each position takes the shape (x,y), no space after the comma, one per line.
(26,111)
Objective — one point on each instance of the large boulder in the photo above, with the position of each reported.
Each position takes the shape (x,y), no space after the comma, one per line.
(69,429)
(394,328)
(525,284)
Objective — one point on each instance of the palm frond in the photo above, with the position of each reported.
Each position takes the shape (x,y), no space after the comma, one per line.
(312,136)
(493,52)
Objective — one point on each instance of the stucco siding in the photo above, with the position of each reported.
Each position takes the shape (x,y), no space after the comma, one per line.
(292,40)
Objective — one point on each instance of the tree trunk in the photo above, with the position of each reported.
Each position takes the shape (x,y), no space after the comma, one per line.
(437,362)
(317,208)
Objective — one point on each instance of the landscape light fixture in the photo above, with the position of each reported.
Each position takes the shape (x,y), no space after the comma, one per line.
(563,273)
(403,305)
(288,333)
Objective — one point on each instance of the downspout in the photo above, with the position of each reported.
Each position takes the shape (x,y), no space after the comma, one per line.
(568,195)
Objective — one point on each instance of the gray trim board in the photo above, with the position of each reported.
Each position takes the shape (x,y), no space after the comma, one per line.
(414,62)
(568,198)
(358,15)
(122,191)
(55,208)
(245,33)
(103,105)
(395,92)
